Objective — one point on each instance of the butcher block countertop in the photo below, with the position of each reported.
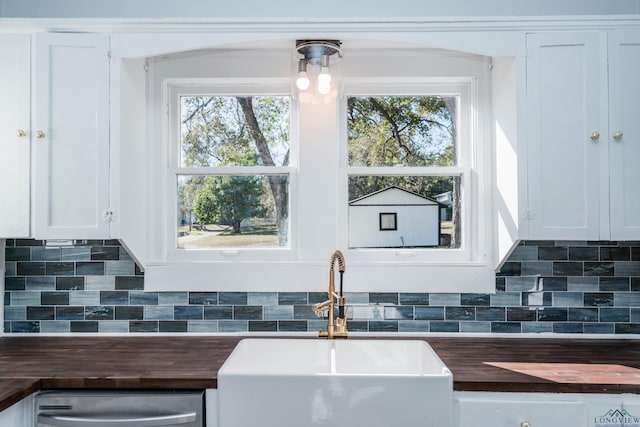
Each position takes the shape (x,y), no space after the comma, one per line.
(29,364)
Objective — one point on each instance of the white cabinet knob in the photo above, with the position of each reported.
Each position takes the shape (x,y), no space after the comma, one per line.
(40,134)
(21,133)
(108,216)
(595,136)
(617,135)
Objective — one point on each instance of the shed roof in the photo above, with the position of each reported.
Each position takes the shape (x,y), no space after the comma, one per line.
(393,196)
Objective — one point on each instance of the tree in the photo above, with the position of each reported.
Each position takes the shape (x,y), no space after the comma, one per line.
(187,190)
(234,131)
(279,189)
(229,200)
(404,131)
(382,131)
(400,131)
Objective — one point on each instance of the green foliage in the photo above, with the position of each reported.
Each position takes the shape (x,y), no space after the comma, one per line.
(229,200)
(234,131)
(212,131)
(427,186)
(401,131)
(215,131)
(251,131)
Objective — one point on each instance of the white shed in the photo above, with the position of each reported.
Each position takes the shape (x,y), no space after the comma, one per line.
(394,218)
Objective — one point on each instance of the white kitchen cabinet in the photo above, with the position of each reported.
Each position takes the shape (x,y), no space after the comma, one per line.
(211,407)
(624,133)
(15,116)
(71,144)
(490,409)
(631,410)
(516,410)
(566,96)
(582,155)
(19,414)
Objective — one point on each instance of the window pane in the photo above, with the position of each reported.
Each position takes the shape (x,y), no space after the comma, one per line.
(404,211)
(402,130)
(232,211)
(234,131)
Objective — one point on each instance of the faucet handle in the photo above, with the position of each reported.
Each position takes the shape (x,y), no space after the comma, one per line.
(320,307)
(341,327)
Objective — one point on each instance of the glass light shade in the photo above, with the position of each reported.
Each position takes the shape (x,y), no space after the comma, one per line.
(324,78)
(324,81)
(324,87)
(302,82)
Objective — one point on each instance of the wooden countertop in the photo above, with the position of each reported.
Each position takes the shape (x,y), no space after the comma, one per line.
(555,365)
(28,364)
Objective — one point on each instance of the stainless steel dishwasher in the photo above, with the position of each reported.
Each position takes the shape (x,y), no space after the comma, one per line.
(119,409)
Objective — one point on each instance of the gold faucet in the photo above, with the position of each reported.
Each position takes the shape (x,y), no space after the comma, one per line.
(336,326)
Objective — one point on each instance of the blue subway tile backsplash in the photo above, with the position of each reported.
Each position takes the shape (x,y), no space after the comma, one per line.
(544,287)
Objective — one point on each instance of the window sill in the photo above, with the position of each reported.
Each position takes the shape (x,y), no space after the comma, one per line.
(464,277)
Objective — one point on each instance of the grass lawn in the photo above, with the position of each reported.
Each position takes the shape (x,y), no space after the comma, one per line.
(215,236)
(196,230)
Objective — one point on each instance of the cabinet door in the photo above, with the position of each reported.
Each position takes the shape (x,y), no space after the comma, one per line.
(518,411)
(624,134)
(15,87)
(18,415)
(566,119)
(71,155)
(631,410)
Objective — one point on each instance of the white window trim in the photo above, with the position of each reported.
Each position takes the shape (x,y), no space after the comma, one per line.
(173,89)
(305,267)
(465,88)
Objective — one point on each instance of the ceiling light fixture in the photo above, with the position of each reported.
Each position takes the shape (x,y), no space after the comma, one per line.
(316,55)
(302,82)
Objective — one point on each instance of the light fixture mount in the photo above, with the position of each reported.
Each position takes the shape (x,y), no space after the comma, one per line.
(314,50)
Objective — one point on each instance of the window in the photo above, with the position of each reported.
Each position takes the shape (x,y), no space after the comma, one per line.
(256,188)
(230,171)
(408,146)
(388,221)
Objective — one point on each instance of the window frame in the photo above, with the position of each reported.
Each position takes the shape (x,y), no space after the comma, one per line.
(174,89)
(316,147)
(393,219)
(466,89)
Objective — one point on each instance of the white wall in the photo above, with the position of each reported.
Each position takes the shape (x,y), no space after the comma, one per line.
(505,109)
(320,9)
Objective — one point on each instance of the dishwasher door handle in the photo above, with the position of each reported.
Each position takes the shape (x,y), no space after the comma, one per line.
(150,421)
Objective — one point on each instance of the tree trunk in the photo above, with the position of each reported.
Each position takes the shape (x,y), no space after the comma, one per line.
(456,238)
(278,188)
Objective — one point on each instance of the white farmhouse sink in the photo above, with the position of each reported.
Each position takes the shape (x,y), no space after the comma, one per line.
(304,382)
